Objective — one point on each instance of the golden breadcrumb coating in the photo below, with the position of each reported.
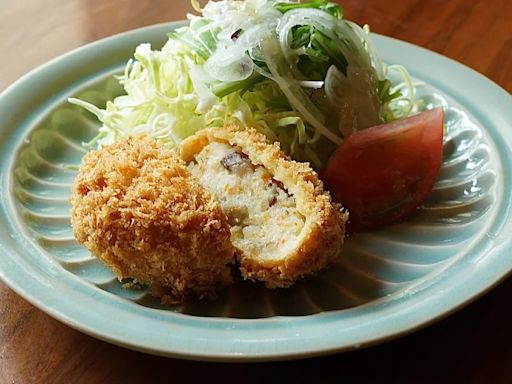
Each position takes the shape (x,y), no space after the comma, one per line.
(136,207)
(316,241)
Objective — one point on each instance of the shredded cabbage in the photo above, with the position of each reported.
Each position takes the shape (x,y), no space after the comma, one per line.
(296,71)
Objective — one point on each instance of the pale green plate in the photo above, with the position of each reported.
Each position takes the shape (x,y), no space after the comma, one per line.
(388,282)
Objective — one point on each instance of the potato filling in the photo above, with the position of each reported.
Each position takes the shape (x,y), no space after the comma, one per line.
(264,220)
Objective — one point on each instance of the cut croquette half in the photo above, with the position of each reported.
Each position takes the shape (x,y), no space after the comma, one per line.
(283,224)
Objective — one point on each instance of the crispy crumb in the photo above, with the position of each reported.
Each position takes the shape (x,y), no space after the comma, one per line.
(136,207)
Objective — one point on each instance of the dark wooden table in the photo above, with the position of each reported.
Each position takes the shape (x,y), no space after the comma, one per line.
(471,346)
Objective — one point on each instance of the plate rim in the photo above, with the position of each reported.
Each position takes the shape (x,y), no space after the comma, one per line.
(55,311)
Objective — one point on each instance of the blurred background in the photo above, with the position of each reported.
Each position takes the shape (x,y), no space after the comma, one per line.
(475,32)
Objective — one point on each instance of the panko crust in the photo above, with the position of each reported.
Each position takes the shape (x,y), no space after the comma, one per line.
(324,230)
(135,206)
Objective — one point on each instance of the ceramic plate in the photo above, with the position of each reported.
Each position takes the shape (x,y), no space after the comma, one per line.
(387,283)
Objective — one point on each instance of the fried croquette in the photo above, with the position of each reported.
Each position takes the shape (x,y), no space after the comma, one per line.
(137,208)
(283,224)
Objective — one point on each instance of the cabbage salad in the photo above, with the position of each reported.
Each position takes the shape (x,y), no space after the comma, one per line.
(296,71)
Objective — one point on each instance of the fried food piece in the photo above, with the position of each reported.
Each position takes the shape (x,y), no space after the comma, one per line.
(283,224)
(136,207)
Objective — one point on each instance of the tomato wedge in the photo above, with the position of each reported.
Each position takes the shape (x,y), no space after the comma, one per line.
(383,173)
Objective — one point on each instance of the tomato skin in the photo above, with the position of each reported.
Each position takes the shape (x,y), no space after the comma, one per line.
(383,173)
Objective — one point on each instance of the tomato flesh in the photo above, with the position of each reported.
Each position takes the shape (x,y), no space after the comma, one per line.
(383,173)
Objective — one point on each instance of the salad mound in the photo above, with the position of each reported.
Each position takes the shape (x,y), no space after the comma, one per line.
(296,71)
